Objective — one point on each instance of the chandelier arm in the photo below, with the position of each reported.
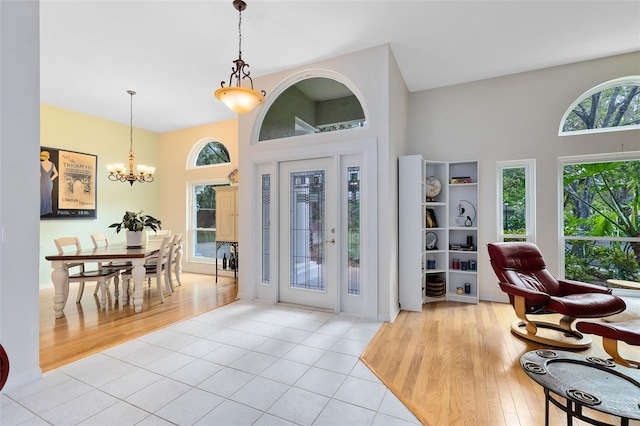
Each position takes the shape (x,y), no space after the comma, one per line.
(233,72)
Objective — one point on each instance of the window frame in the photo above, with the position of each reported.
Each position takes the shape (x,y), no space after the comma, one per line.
(633,80)
(192,228)
(529,167)
(579,159)
(292,80)
(197,147)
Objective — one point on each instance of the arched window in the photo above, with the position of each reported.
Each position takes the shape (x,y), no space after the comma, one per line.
(610,106)
(212,153)
(312,105)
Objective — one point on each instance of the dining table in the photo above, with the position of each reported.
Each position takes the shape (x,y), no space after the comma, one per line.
(113,252)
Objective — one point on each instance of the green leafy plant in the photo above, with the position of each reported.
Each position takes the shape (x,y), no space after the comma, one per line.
(132,221)
(606,199)
(602,200)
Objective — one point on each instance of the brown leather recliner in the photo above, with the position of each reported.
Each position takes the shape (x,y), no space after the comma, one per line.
(612,333)
(532,289)
(4,367)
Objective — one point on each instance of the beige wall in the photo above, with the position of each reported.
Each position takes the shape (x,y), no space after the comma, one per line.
(70,130)
(176,148)
(166,198)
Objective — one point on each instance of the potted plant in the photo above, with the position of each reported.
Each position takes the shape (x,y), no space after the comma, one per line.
(135,223)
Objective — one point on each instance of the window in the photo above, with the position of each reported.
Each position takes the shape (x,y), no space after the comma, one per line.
(203,222)
(613,105)
(212,152)
(312,105)
(601,218)
(516,217)
(353,230)
(266,228)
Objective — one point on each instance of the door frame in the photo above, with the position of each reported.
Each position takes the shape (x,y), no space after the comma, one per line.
(265,160)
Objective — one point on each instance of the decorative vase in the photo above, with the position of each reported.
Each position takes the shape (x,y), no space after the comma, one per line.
(134,238)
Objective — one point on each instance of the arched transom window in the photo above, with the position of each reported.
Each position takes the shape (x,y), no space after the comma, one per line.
(312,105)
(212,153)
(610,106)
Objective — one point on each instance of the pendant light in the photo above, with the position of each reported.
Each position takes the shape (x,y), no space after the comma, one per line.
(117,171)
(237,98)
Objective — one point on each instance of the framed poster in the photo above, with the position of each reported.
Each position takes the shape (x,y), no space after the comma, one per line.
(67,184)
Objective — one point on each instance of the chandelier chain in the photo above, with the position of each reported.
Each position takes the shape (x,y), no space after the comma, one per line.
(131,124)
(240,33)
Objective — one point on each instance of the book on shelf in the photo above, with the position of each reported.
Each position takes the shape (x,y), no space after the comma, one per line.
(461,179)
(462,247)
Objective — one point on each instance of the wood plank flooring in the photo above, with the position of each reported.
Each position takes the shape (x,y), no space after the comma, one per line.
(86,329)
(458,364)
(452,364)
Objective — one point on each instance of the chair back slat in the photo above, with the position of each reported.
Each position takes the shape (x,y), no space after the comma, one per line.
(165,249)
(100,239)
(67,244)
(157,235)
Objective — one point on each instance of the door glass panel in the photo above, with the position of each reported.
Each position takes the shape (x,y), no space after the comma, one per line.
(266,227)
(307,230)
(353,230)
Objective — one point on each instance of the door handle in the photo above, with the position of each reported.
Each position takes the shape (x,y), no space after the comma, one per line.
(332,241)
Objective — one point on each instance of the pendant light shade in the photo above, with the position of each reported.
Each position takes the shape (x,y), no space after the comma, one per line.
(237,98)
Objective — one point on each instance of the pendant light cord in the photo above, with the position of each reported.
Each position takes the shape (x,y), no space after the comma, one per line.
(240,33)
(131,92)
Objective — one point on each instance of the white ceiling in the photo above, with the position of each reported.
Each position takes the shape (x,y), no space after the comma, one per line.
(174,54)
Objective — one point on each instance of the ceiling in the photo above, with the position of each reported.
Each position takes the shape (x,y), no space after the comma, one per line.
(174,54)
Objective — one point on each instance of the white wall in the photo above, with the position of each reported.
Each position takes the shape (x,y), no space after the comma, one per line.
(398,137)
(19,187)
(510,118)
(368,75)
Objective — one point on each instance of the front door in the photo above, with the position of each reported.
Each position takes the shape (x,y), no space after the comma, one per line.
(308,223)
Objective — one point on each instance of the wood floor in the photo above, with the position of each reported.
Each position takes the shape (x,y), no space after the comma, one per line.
(85,329)
(458,364)
(452,364)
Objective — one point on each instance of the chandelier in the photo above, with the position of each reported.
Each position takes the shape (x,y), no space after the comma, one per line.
(117,171)
(237,98)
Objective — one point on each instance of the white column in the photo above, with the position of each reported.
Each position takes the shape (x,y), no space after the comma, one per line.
(19,188)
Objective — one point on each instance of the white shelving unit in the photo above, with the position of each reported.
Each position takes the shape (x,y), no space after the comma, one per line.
(463,232)
(426,264)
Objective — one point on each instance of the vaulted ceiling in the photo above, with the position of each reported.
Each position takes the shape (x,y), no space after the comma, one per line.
(176,53)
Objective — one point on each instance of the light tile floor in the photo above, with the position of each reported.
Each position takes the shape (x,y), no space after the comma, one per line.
(245,363)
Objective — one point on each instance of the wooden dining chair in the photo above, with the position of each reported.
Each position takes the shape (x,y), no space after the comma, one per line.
(82,275)
(102,240)
(157,269)
(175,260)
(157,235)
